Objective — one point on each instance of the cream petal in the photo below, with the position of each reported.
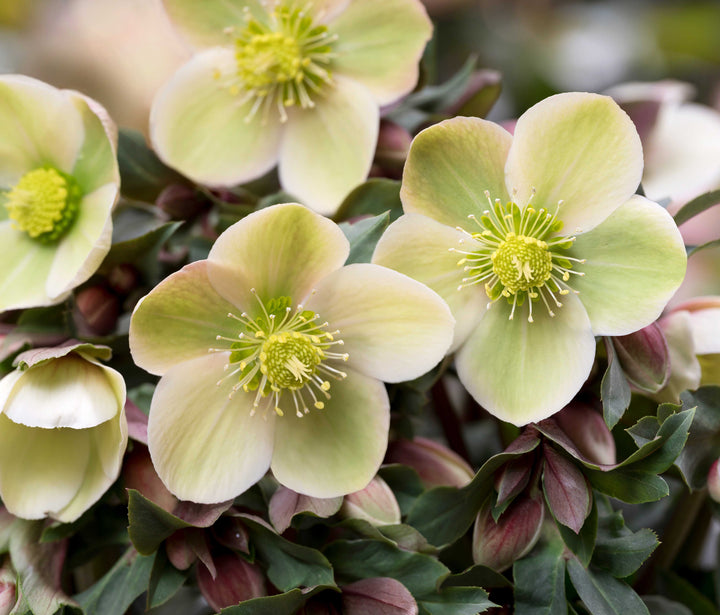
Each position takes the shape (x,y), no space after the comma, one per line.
(705,326)
(578,148)
(635,263)
(199,127)
(450,167)
(523,372)
(326,151)
(206,447)
(280,251)
(380,43)
(337,450)
(419,247)
(180,320)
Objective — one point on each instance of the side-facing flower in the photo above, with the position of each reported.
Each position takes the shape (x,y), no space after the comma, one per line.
(537,242)
(63,431)
(297,83)
(272,354)
(59,180)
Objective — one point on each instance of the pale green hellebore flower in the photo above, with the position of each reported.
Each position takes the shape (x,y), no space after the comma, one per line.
(296,83)
(63,431)
(272,355)
(548,214)
(59,180)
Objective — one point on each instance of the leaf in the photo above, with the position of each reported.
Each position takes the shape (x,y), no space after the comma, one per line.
(614,388)
(622,555)
(420,573)
(165,581)
(566,490)
(149,523)
(686,593)
(478,576)
(374,197)
(673,434)
(404,482)
(286,603)
(703,444)
(697,206)
(602,593)
(703,246)
(363,236)
(627,485)
(583,543)
(540,582)
(659,605)
(379,596)
(456,601)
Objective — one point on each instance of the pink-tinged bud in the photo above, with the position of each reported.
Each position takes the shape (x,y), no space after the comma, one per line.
(97,310)
(286,503)
(123,279)
(513,477)
(378,596)
(179,550)
(713,481)
(375,504)
(180,202)
(392,146)
(235,581)
(498,545)
(8,591)
(566,490)
(436,464)
(588,432)
(685,370)
(139,473)
(644,357)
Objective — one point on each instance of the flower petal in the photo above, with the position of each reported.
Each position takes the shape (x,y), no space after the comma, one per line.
(337,450)
(326,151)
(87,242)
(578,148)
(179,320)
(25,270)
(281,251)
(380,43)
(523,372)
(206,447)
(419,247)
(39,125)
(41,470)
(198,127)
(393,327)
(635,262)
(450,167)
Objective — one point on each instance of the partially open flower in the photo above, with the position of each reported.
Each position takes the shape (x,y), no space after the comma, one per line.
(272,355)
(63,431)
(59,180)
(538,243)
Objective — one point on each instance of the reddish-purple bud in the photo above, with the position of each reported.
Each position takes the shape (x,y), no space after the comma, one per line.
(97,310)
(392,147)
(375,504)
(644,357)
(378,596)
(123,279)
(436,464)
(566,490)
(713,481)
(235,581)
(180,202)
(588,432)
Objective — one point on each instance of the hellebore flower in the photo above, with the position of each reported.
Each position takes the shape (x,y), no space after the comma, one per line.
(272,354)
(59,180)
(297,83)
(63,431)
(537,243)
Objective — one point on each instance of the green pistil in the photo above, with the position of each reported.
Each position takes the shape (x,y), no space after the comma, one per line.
(518,254)
(44,204)
(283,351)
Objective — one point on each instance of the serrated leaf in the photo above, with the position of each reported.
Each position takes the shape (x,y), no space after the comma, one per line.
(540,582)
(628,485)
(456,601)
(363,236)
(149,523)
(621,556)
(285,603)
(697,206)
(673,434)
(614,388)
(703,445)
(582,544)
(602,593)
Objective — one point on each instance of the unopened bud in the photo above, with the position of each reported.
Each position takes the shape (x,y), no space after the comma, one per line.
(644,357)
(123,279)
(180,202)
(588,432)
(436,464)
(97,310)
(375,504)
(235,581)
(713,480)
(392,147)
(377,595)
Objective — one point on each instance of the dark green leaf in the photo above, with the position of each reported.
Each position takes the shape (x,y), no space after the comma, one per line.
(363,236)
(376,196)
(628,485)
(686,593)
(478,576)
(614,388)
(673,434)
(286,603)
(697,206)
(149,523)
(540,582)
(602,593)
(621,556)
(659,605)
(152,234)
(703,445)
(165,580)
(488,87)
(404,483)
(582,544)
(455,601)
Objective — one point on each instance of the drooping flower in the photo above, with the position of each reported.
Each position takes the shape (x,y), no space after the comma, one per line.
(537,242)
(59,180)
(63,431)
(272,354)
(297,83)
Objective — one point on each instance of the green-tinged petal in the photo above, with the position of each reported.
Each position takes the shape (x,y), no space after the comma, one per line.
(685,369)
(327,151)
(206,447)
(7,384)
(280,251)
(96,164)
(198,127)
(25,270)
(68,392)
(380,43)
(39,125)
(107,447)
(393,327)
(578,148)
(419,247)
(87,242)
(41,470)
(523,372)
(635,262)
(450,167)
(179,320)
(705,325)
(326,10)
(337,450)
(206,23)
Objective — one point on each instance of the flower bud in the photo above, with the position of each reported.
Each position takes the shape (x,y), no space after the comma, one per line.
(123,279)
(392,147)
(685,370)
(97,310)
(375,504)
(713,480)
(436,464)
(644,357)
(180,202)
(139,474)
(286,503)
(379,595)
(235,581)
(588,432)
(8,591)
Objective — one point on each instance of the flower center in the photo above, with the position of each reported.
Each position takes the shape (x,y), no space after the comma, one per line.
(44,203)
(519,254)
(283,351)
(283,62)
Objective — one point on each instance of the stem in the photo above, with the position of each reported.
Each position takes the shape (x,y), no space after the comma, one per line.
(448,419)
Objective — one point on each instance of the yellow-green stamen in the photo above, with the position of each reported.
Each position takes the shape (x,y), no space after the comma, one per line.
(44,203)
